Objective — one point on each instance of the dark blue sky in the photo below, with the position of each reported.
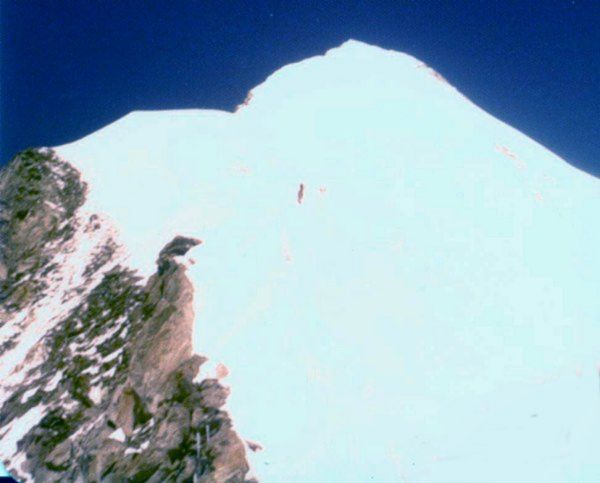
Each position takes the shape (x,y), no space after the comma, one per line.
(70,67)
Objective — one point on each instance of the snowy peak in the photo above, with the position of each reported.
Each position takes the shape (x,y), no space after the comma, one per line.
(376,270)
(345,72)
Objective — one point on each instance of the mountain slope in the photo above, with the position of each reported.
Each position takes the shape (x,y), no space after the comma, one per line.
(98,365)
(400,286)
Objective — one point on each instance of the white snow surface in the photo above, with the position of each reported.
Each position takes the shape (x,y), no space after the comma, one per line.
(14,431)
(426,311)
(96,394)
(117,435)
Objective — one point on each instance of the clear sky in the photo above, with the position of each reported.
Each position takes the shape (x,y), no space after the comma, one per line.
(68,68)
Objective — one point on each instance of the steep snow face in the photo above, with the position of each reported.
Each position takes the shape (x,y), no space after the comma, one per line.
(400,286)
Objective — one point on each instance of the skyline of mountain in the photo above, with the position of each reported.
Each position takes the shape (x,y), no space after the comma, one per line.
(357,275)
(69,68)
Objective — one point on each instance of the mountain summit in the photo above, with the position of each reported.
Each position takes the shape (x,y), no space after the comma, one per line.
(358,275)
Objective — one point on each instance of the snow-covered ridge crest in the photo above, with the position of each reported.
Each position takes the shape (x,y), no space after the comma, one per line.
(142,145)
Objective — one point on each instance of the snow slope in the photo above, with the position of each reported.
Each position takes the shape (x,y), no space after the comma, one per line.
(402,287)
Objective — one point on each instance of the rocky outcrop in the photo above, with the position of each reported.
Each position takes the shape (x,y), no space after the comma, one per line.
(112,377)
(39,195)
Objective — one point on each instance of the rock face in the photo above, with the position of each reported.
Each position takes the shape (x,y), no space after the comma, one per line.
(109,379)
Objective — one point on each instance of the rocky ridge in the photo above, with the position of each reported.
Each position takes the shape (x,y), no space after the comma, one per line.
(102,388)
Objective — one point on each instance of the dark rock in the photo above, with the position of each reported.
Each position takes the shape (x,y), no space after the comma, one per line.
(116,382)
(179,246)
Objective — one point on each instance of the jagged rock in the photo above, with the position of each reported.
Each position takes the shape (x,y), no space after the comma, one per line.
(112,376)
(40,194)
(179,246)
(164,341)
(130,412)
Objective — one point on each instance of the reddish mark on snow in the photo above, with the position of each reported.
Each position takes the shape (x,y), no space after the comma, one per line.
(509,154)
(221,371)
(433,73)
(439,77)
(286,248)
(539,197)
(254,446)
(246,101)
(300,196)
(322,190)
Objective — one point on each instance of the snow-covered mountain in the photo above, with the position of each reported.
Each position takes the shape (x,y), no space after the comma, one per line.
(378,280)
